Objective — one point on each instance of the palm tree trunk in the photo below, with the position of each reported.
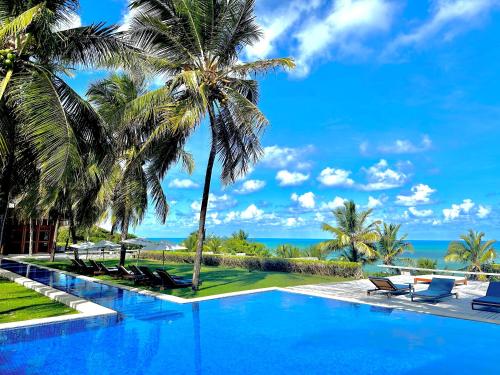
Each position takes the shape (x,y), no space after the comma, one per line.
(72,229)
(123,250)
(54,242)
(204,205)
(2,224)
(30,251)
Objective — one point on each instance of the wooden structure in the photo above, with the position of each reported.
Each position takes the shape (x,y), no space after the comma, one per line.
(18,236)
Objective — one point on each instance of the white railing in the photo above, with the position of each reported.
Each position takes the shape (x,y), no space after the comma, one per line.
(440,271)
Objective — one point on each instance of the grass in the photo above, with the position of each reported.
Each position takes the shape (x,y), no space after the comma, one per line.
(216,280)
(18,303)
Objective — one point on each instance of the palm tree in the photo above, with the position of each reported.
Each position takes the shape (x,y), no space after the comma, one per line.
(288,251)
(37,105)
(390,246)
(353,235)
(134,175)
(472,250)
(196,46)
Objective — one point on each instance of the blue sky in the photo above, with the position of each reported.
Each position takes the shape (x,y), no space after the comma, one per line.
(394,104)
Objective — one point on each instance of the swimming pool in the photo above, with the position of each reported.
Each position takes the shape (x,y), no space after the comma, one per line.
(262,333)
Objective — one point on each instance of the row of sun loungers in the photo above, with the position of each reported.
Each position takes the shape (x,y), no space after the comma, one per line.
(438,289)
(139,275)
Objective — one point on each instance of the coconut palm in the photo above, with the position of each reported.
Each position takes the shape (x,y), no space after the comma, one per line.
(354,236)
(134,175)
(40,46)
(196,46)
(390,246)
(472,250)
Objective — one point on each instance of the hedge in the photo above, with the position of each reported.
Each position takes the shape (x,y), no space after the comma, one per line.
(314,267)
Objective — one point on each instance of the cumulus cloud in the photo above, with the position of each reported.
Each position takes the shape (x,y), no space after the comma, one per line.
(374,202)
(215,202)
(382,177)
(282,157)
(420,213)
(251,213)
(183,184)
(344,27)
(405,146)
(294,222)
(305,200)
(483,211)
(335,177)
(421,194)
(333,204)
(456,210)
(250,186)
(448,18)
(287,178)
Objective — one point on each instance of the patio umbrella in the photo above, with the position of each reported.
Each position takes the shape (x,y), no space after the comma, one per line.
(143,243)
(105,244)
(82,246)
(166,246)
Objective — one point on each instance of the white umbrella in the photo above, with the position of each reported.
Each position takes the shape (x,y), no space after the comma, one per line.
(143,243)
(166,246)
(82,246)
(105,244)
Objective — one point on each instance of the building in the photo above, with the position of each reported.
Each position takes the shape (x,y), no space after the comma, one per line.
(17,234)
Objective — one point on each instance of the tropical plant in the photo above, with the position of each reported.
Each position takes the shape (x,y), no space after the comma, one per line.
(240,235)
(190,242)
(214,244)
(38,108)
(317,251)
(197,45)
(354,237)
(288,251)
(135,175)
(472,250)
(390,246)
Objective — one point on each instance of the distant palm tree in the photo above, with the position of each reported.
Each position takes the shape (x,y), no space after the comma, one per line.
(240,235)
(473,250)
(390,246)
(197,45)
(134,175)
(288,251)
(353,235)
(214,244)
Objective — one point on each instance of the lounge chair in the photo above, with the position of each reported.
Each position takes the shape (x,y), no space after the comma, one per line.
(75,266)
(439,288)
(385,285)
(129,275)
(97,269)
(151,278)
(110,271)
(167,281)
(491,299)
(84,268)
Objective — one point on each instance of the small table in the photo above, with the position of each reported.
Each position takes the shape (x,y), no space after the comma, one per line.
(459,280)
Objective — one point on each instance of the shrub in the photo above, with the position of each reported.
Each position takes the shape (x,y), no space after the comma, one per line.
(314,267)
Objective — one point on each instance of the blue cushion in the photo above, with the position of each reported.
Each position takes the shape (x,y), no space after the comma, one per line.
(442,285)
(488,299)
(402,286)
(432,293)
(494,289)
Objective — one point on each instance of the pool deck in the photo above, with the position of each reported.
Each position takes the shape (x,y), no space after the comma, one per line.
(355,291)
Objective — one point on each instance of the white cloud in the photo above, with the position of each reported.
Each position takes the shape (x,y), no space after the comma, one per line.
(455,211)
(294,222)
(250,186)
(305,200)
(282,157)
(214,217)
(373,202)
(72,22)
(421,194)
(448,17)
(319,217)
(183,184)
(251,213)
(404,146)
(347,23)
(274,24)
(420,213)
(215,202)
(483,211)
(335,177)
(381,177)
(332,205)
(287,178)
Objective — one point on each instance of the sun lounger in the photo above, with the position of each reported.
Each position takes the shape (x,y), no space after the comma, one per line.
(168,282)
(151,278)
(97,269)
(385,285)
(110,271)
(491,299)
(129,275)
(75,266)
(459,280)
(439,288)
(84,268)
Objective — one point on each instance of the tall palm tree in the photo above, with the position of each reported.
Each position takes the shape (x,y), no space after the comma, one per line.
(390,246)
(353,235)
(134,175)
(472,250)
(37,105)
(196,46)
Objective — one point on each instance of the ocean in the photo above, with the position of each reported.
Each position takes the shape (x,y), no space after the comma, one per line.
(422,249)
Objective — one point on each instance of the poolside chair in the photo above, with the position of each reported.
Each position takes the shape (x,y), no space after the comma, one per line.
(491,299)
(75,266)
(167,281)
(151,278)
(129,275)
(84,268)
(110,271)
(385,285)
(439,288)
(96,268)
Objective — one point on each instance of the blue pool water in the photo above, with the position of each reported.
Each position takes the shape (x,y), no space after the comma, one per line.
(263,333)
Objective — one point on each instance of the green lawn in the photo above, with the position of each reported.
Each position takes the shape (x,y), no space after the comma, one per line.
(216,280)
(19,303)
